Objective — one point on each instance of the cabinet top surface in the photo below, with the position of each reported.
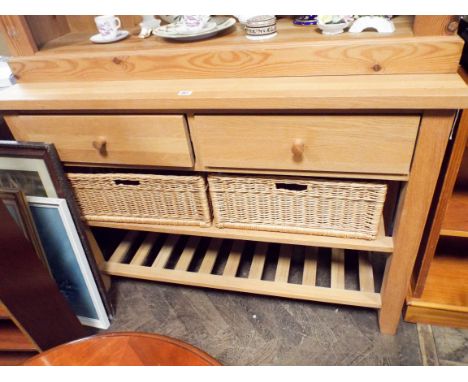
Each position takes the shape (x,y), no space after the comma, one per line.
(362,92)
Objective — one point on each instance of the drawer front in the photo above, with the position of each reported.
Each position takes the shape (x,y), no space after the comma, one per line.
(148,140)
(355,143)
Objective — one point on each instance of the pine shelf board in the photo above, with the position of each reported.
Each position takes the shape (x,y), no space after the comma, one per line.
(356,92)
(79,43)
(381,244)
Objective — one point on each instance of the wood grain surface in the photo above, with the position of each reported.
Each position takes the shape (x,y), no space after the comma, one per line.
(449,215)
(295,51)
(157,140)
(435,25)
(124,349)
(403,92)
(411,216)
(345,143)
(17,35)
(380,244)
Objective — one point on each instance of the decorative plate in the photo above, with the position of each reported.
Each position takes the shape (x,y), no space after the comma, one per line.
(170,32)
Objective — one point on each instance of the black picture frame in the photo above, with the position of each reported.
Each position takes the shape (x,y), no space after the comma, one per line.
(47,153)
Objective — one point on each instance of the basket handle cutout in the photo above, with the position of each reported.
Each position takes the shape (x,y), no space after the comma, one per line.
(127,182)
(291,186)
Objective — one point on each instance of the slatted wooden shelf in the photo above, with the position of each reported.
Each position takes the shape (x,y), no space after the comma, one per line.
(244,266)
(13,339)
(381,244)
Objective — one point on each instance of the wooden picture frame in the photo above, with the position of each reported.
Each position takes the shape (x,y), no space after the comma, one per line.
(17,205)
(43,159)
(67,260)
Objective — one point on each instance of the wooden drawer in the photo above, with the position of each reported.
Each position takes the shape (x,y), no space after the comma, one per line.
(148,140)
(332,143)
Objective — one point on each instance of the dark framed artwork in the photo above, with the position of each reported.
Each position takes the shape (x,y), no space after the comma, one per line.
(35,169)
(30,293)
(17,205)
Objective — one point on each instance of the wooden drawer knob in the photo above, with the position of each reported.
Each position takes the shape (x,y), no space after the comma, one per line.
(100,144)
(298,147)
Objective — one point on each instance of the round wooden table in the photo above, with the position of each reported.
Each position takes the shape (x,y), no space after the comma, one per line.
(124,349)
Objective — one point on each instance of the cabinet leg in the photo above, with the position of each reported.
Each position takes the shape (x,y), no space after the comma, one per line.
(414,204)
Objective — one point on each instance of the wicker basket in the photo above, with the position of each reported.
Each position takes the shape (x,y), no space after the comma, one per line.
(141,198)
(319,207)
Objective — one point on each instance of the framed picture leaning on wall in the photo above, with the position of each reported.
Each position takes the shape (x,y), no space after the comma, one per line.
(66,259)
(36,170)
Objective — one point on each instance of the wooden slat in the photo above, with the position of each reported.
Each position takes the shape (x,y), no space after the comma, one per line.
(380,244)
(309,275)
(144,249)
(284,263)
(366,273)
(187,254)
(240,284)
(441,91)
(210,256)
(234,259)
(165,252)
(337,269)
(122,250)
(258,261)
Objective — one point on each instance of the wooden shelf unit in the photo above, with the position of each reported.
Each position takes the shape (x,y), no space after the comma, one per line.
(300,72)
(439,292)
(241,266)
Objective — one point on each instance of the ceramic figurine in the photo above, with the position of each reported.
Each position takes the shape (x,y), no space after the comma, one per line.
(147,25)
